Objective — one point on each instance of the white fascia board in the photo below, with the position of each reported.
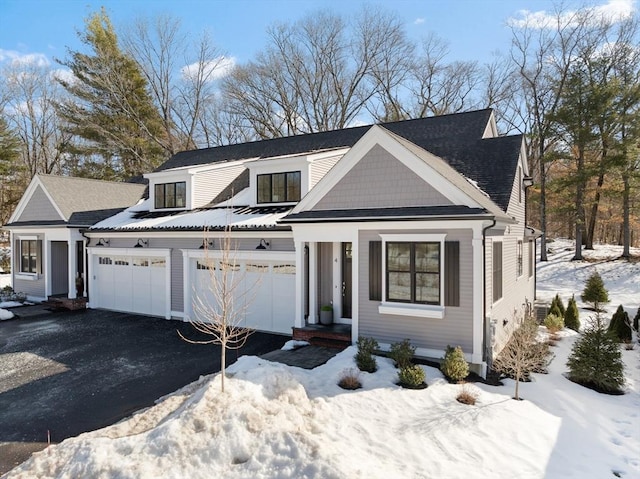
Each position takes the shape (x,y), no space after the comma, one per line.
(491,131)
(524,161)
(26,197)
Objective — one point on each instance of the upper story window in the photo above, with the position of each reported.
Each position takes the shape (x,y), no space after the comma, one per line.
(279,187)
(171,195)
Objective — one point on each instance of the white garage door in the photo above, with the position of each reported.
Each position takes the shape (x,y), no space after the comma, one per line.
(265,293)
(135,284)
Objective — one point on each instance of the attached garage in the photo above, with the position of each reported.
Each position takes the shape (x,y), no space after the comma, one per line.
(264,292)
(131,281)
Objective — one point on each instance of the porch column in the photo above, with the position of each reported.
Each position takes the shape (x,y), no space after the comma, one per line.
(299,319)
(313,282)
(47,266)
(72,262)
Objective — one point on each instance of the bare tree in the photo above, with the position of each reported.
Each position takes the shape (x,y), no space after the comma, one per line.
(183,75)
(220,311)
(523,353)
(31,91)
(440,87)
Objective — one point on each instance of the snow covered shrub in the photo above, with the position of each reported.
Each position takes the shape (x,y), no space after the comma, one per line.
(571,315)
(412,377)
(595,360)
(467,395)
(364,357)
(620,325)
(595,292)
(402,353)
(454,366)
(5,260)
(553,323)
(557,304)
(350,379)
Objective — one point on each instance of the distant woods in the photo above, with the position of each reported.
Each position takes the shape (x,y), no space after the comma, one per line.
(135,94)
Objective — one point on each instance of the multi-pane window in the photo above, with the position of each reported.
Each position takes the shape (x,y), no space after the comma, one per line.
(28,256)
(279,187)
(413,272)
(519,259)
(532,259)
(171,195)
(497,271)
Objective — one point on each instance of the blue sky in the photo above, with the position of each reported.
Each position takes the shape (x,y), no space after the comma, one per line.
(474,28)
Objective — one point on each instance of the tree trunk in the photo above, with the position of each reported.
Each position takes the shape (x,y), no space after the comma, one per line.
(223,362)
(543,206)
(594,211)
(626,225)
(517,397)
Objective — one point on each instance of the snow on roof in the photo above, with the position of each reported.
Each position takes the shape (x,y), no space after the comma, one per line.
(232,212)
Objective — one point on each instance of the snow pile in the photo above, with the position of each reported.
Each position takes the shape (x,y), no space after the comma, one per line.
(293,344)
(4,314)
(285,422)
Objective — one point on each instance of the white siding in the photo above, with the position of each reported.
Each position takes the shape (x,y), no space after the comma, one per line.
(320,168)
(209,184)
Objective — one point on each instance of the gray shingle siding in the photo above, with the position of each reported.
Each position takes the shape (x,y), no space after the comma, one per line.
(379,180)
(39,208)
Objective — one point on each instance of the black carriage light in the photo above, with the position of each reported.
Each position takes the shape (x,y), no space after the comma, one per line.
(142,243)
(206,244)
(263,244)
(102,242)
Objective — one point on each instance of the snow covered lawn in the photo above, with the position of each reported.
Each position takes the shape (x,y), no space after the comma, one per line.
(276,421)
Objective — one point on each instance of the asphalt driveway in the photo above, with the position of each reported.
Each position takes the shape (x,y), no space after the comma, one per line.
(68,373)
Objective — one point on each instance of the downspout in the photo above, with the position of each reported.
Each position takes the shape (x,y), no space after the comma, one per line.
(484,289)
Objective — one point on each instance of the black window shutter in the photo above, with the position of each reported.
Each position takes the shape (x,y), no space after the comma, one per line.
(39,256)
(375,270)
(452,273)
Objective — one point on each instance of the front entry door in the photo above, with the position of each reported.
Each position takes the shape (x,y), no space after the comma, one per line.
(346,279)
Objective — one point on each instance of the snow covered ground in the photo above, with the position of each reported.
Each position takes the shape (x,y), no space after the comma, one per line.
(276,421)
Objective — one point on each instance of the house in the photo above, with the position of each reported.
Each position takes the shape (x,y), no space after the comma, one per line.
(48,252)
(411,229)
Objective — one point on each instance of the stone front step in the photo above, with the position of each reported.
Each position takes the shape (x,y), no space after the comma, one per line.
(334,336)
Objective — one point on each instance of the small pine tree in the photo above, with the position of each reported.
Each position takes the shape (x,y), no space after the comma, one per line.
(636,320)
(596,361)
(554,323)
(554,310)
(402,353)
(557,301)
(572,315)
(595,292)
(620,326)
(412,376)
(365,359)
(454,366)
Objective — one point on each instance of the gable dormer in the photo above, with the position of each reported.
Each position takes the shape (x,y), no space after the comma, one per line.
(285,180)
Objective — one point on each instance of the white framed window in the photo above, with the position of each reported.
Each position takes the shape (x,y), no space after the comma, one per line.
(519,265)
(413,275)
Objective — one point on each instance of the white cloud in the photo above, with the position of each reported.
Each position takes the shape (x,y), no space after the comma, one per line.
(213,69)
(63,74)
(17,58)
(418,21)
(612,10)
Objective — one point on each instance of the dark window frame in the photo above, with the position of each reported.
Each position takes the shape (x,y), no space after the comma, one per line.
(290,192)
(519,259)
(31,256)
(497,267)
(532,258)
(413,272)
(164,191)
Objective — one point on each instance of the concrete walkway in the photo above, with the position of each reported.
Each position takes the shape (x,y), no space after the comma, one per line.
(306,357)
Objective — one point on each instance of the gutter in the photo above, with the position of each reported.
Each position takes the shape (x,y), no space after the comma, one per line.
(368,219)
